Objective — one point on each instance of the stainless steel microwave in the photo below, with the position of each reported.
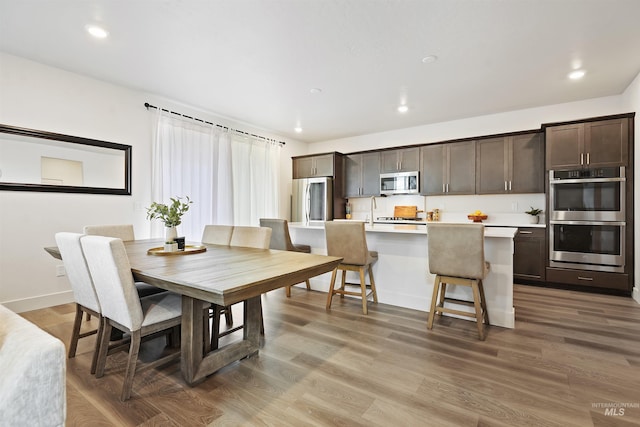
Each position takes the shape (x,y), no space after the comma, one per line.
(399,183)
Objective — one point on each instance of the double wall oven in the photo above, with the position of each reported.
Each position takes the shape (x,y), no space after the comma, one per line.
(587,225)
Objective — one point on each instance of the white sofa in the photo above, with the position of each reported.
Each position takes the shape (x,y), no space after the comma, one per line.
(32,374)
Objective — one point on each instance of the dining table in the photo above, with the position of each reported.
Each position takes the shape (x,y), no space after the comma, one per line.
(222,275)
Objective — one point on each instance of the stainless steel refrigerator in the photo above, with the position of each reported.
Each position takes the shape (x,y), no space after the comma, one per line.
(311,200)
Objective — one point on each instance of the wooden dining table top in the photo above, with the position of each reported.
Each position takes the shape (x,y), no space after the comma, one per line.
(223,275)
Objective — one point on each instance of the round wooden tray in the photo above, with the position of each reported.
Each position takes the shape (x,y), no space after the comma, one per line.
(188,250)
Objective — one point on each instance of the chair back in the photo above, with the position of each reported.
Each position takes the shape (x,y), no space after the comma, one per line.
(217,234)
(280,237)
(456,250)
(348,240)
(251,237)
(77,270)
(123,231)
(109,266)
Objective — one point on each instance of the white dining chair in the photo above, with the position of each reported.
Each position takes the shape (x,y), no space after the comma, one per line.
(126,234)
(84,292)
(123,309)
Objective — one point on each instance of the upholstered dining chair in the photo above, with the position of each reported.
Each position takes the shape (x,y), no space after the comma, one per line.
(281,240)
(123,309)
(456,257)
(217,234)
(84,292)
(121,231)
(347,239)
(126,234)
(243,236)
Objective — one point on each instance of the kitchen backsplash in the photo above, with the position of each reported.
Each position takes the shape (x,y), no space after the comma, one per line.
(501,208)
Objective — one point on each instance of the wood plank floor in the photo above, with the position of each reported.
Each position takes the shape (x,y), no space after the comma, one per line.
(570,354)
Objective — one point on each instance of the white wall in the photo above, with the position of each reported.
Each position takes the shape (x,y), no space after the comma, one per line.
(45,98)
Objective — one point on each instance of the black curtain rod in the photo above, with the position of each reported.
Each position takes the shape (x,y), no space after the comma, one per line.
(147,106)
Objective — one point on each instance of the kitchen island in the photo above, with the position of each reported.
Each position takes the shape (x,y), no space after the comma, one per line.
(402,271)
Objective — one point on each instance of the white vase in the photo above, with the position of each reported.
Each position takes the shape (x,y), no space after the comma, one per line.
(170,233)
(533,219)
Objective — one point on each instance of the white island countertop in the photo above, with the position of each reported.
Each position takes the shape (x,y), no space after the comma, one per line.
(508,232)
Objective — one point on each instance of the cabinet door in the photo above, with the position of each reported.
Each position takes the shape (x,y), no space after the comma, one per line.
(461,168)
(409,159)
(433,169)
(564,146)
(389,160)
(353,171)
(492,166)
(527,164)
(323,165)
(303,167)
(607,143)
(371,174)
(529,254)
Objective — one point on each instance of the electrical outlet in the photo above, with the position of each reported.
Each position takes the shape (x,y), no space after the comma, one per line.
(514,207)
(60,271)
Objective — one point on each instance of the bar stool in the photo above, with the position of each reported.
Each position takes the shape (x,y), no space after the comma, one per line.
(456,257)
(281,241)
(347,239)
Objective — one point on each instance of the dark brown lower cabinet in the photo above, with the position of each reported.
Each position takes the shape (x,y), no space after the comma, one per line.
(529,254)
(594,279)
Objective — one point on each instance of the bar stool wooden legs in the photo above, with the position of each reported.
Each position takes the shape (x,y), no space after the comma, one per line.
(438,300)
(363,287)
(456,257)
(347,239)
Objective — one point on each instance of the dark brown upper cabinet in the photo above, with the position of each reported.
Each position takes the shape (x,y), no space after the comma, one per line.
(588,144)
(510,164)
(400,160)
(362,174)
(448,168)
(313,166)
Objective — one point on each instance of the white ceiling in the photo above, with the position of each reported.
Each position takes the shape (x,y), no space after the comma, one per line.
(257,60)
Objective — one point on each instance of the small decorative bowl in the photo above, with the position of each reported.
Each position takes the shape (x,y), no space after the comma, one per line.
(477,218)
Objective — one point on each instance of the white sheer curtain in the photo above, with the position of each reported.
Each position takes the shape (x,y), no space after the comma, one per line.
(255,166)
(230,179)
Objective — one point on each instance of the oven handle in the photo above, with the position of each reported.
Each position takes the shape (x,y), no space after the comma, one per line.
(586,180)
(618,223)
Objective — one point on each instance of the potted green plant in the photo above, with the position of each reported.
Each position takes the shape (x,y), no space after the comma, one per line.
(170,214)
(534,212)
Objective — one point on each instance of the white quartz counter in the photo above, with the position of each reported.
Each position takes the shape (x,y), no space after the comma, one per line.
(402,271)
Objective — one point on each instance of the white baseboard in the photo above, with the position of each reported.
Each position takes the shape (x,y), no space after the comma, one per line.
(42,301)
(636,294)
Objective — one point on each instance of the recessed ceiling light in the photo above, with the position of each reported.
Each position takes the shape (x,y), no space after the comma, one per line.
(577,74)
(403,109)
(315,90)
(298,129)
(96,31)
(429,59)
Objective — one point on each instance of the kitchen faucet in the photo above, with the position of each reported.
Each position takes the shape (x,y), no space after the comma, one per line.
(373,205)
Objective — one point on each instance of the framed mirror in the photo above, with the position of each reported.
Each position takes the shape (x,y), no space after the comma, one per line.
(34,160)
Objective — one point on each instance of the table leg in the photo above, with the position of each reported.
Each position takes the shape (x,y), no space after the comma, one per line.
(192,337)
(194,366)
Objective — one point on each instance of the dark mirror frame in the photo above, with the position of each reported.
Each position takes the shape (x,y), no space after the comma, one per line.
(126,190)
